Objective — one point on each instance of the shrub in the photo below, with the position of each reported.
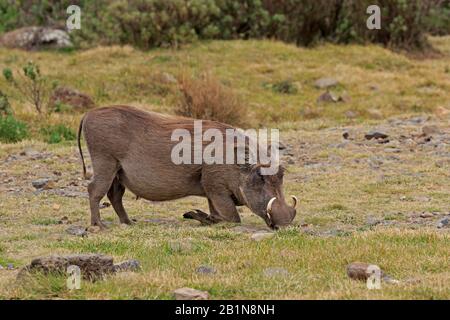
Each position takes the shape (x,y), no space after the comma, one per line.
(12,130)
(31,84)
(5,107)
(207,98)
(58,133)
(150,23)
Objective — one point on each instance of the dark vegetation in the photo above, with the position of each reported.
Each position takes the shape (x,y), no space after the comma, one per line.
(153,23)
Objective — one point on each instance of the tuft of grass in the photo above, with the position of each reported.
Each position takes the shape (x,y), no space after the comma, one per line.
(12,130)
(58,133)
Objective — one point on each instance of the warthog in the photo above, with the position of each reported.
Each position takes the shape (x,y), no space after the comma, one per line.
(131,149)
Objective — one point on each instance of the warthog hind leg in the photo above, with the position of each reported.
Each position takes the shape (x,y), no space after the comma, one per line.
(115,195)
(105,170)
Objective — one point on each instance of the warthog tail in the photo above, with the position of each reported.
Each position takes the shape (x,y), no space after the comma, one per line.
(80,128)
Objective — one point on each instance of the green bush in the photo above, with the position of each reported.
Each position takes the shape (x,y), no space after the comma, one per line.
(5,107)
(12,130)
(58,133)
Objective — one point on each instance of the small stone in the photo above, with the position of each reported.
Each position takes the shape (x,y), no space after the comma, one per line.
(324,83)
(275,272)
(168,78)
(9,266)
(104,205)
(64,220)
(190,294)
(361,270)
(1,267)
(389,280)
(431,130)
(56,207)
(129,265)
(426,215)
(376,135)
(327,97)
(77,231)
(40,183)
(444,223)
(259,236)
(206,270)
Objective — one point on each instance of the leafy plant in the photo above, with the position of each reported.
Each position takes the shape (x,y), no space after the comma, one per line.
(5,107)
(12,130)
(31,84)
(58,133)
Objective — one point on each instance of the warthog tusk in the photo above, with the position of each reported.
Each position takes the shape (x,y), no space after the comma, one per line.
(295,201)
(269,206)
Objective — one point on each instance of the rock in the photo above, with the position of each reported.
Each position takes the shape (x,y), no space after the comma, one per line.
(32,154)
(444,223)
(206,270)
(77,231)
(64,220)
(56,207)
(10,266)
(431,130)
(35,38)
(129,265)
(190,294)
(43,184)
(275,272)
(104,205)
(1,267)
(328,97)
(375,114)
(360,270)
(376,135)
(168,78)
(349,135)
(426,215)
(259,236)
(324,83)
(180,246)
(71,97)
(389,280)
(92,266)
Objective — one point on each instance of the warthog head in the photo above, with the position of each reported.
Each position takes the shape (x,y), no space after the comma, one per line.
(263,194)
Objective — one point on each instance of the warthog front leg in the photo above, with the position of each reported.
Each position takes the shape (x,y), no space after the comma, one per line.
(221,208)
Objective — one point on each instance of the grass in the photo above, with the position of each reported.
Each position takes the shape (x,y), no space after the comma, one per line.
(337,187)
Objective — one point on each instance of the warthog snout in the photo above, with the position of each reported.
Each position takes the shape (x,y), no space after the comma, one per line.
(279,214)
